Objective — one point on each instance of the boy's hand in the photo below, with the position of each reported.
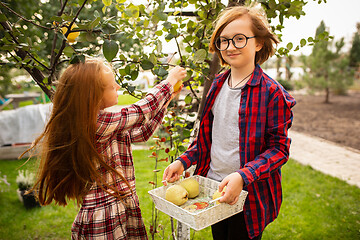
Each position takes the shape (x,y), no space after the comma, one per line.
(234,184)
(173,172)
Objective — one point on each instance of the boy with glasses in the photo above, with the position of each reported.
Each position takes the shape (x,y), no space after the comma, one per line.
(243,136)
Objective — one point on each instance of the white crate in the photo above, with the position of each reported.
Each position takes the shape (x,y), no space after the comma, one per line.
(202,218)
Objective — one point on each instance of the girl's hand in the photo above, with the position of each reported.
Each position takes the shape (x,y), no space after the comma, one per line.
(234,184)
(176,74)
(173,172)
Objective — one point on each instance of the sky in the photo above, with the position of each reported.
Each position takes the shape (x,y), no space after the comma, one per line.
(339,16)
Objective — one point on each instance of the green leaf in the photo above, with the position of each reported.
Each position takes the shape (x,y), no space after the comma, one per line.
(172,153)
(77,58)
(200,55)
(107,2)
(90,37)
(289,46)
(109,28)
(188,99)
(128,69)
(55,18)
(186,133)
(302,42)
(169,37)
(152,58)
(146,64)
(160,71)
(134,74)
(94,23)
(163,16)
(131,89)
(68,51)
(3,18)
(110,49)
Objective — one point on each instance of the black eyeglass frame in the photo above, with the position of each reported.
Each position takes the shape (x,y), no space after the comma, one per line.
(233,42)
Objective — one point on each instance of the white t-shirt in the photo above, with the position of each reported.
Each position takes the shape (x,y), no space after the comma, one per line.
(225,158)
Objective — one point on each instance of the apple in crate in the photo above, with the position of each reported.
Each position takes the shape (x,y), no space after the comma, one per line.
(176,194)
(191,186)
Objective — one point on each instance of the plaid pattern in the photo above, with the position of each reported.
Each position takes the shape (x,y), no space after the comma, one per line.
(264,119)
(101,215)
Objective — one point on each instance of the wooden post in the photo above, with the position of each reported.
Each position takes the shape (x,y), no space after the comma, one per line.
(183,231)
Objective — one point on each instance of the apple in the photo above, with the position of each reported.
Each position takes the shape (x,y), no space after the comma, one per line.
(177,85)
(201,205)
(176,194)
(218,194)
(192,187)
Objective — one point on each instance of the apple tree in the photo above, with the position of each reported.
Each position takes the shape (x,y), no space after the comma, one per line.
(44,36)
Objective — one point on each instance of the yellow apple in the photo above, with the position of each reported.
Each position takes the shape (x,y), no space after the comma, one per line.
(192,187)
(177,85)
(176,194)
(218,194)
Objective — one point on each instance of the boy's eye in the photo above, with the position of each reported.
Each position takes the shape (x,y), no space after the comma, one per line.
(239,38)
(223,40)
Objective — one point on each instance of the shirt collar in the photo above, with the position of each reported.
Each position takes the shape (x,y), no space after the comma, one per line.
(255,80)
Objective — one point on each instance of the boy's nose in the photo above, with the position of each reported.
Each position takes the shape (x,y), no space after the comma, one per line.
(231,45)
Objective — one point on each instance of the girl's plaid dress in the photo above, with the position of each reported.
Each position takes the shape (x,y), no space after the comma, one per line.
(102,216)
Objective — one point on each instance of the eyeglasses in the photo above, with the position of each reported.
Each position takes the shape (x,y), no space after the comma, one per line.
(239,41)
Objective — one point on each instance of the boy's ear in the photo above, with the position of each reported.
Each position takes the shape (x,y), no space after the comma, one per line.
(259,45)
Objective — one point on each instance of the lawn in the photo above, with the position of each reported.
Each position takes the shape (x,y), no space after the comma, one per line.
(316,206)
(123,99)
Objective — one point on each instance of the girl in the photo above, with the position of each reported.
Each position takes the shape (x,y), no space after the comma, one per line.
(243,135)
(86,151)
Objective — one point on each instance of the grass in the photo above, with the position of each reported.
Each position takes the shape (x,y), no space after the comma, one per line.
(315,206)
(122,100)
(126,99)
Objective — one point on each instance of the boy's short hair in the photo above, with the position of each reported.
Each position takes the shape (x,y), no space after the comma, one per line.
(260,28)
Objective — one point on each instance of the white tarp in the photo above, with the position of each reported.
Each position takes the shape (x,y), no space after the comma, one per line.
(23,125)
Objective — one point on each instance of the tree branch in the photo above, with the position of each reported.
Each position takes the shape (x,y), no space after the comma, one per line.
(57,57)
(23,18)
(178,46)
(7,26)
(52,57)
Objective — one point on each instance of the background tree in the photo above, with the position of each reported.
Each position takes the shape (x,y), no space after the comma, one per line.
(328,66)
(354,58)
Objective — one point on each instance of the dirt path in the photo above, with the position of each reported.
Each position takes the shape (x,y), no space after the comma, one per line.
(338,121)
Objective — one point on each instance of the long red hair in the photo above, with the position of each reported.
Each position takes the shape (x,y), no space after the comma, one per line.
(69,158)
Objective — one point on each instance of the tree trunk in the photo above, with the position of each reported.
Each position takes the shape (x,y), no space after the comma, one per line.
(327,89)
(214,65)
(214,69)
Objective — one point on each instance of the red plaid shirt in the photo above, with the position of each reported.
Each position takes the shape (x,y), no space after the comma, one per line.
(101,215)
(264,119)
